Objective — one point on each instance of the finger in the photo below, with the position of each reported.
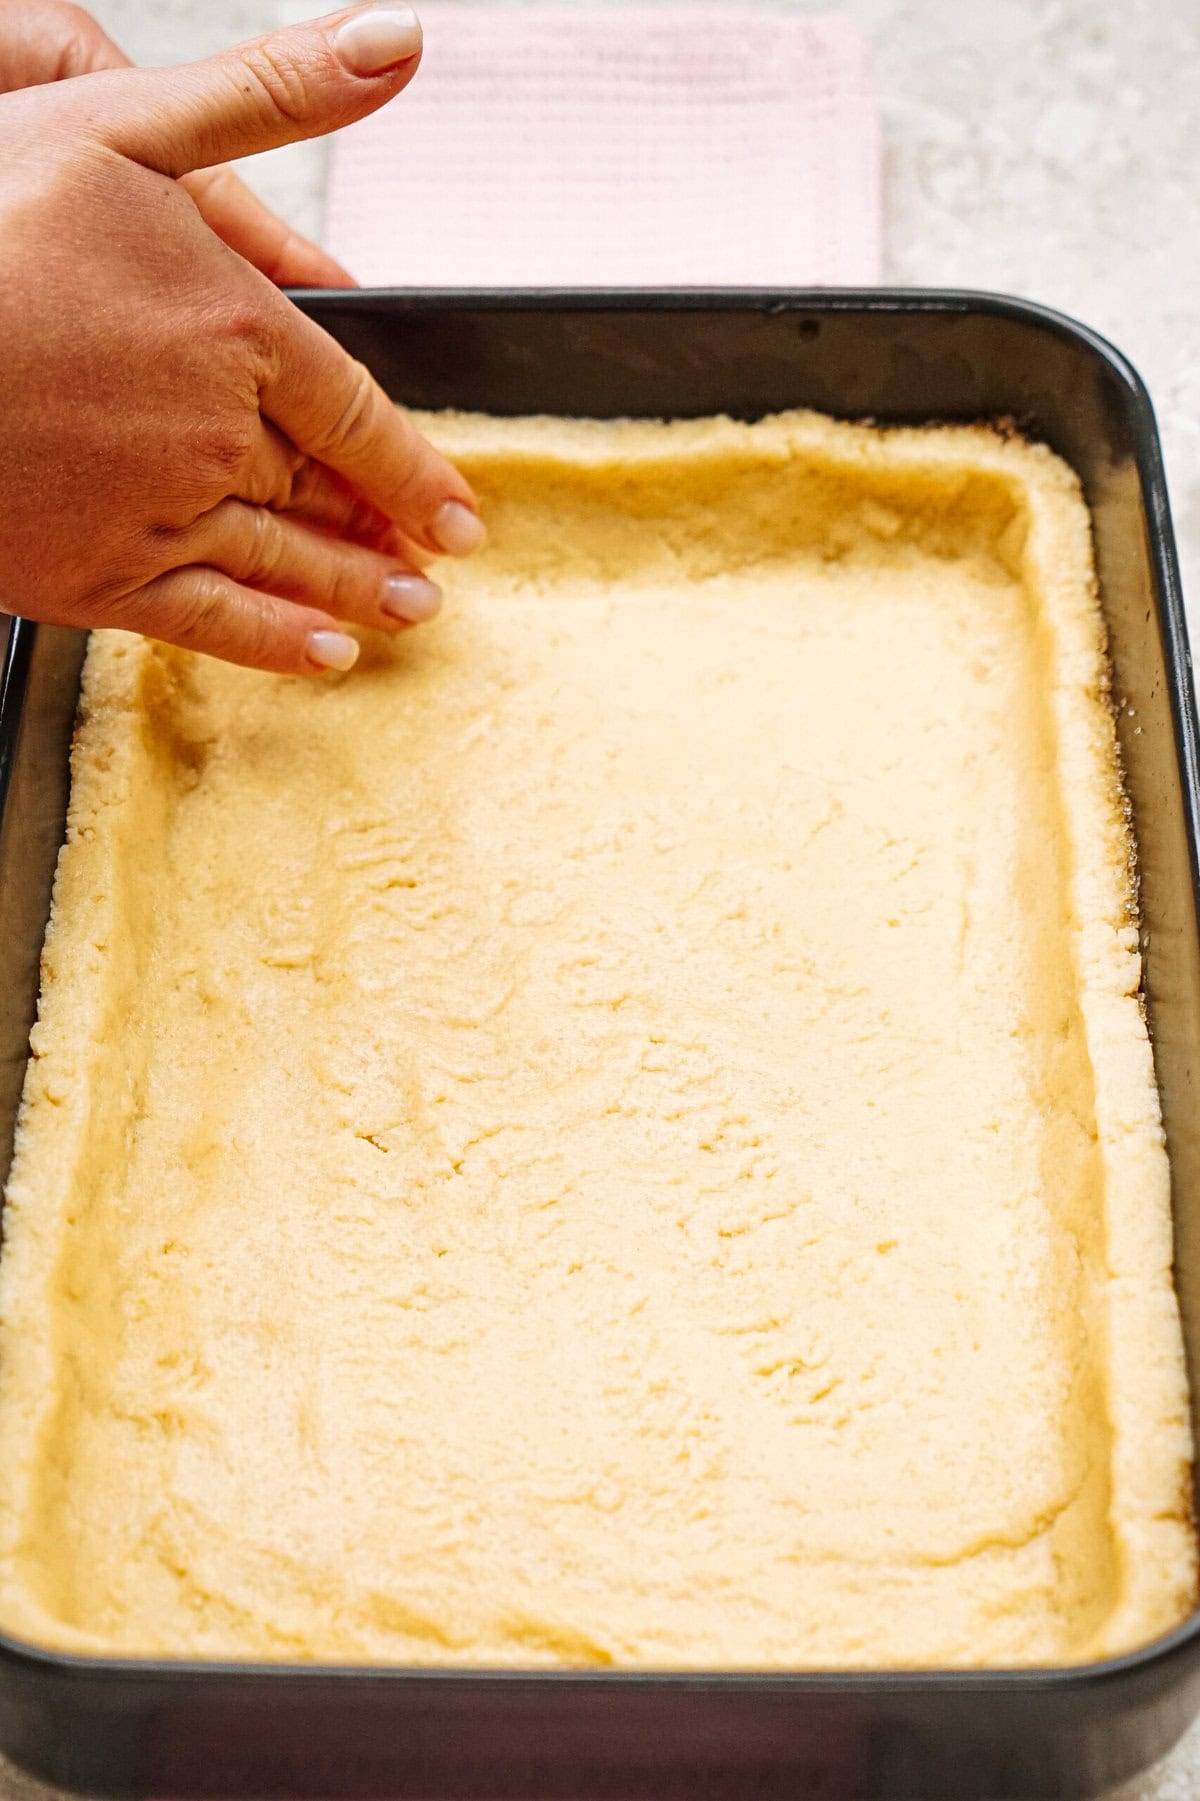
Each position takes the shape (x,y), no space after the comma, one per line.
(262,550)
(293,84)
(58,40)
(279,476)
(330,407)
(238,216)
(53,42)
(324,500)
(201,609)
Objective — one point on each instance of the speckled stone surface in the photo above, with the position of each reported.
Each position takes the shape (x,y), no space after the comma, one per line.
(1047,148)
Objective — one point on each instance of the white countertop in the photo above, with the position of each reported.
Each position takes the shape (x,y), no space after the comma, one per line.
(1047,148)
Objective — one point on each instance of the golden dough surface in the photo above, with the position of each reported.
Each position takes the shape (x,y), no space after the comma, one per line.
(621,1132)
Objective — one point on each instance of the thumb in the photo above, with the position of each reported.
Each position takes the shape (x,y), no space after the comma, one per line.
(298,83)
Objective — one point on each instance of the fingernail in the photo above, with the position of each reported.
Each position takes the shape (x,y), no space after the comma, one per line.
(411,597)
(457,530)
(332,650)
(377,39)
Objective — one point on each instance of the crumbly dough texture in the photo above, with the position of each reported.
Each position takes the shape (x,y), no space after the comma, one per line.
(622,1131)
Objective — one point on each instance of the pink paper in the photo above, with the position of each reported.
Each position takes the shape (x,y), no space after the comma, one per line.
(564,145)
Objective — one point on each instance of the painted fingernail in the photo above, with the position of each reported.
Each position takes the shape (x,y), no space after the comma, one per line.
(377,39)
(411,597)
(332,650)
(457,530)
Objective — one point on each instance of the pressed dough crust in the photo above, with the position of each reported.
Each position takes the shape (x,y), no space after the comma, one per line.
(622,1131)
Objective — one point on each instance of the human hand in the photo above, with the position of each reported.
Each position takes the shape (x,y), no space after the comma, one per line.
(52,40)
(184,453)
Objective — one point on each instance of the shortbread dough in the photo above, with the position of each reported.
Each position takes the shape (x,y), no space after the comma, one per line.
(620,1132)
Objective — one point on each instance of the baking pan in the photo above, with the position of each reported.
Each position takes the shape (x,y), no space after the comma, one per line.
(184,1729)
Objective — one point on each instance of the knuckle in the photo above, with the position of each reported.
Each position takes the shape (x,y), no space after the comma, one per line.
(279,84)
(262,630)
(84,47)
(212,617)
(75,19)
(245,316)
(274,253)
(414,476)
(412,451)
(349,589)
(202,611)
(351,435)
(226,445)
(225,442)
(264,550)
(277,482)
(304,485)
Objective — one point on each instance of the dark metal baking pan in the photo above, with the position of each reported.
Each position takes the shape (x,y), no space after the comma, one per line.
(180,1729)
